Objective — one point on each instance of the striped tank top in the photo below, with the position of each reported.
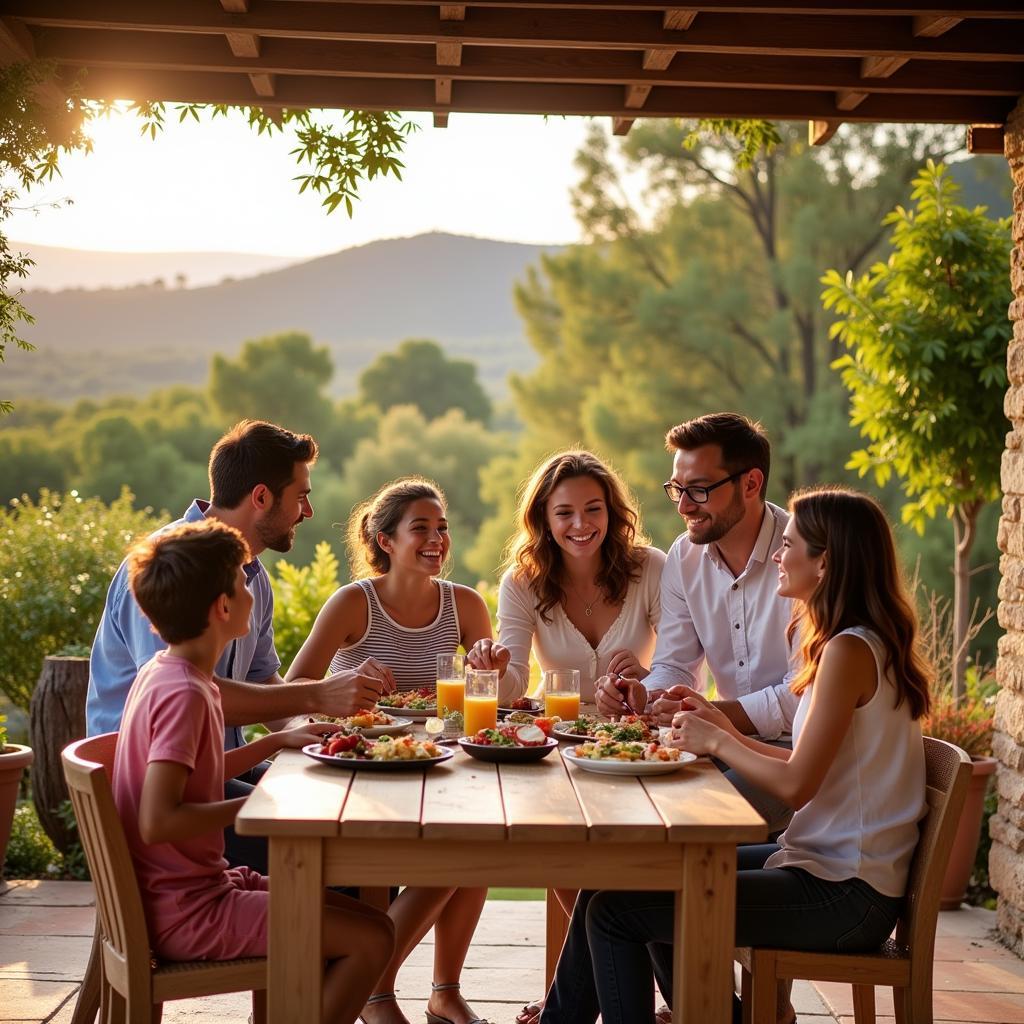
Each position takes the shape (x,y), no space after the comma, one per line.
(410,652)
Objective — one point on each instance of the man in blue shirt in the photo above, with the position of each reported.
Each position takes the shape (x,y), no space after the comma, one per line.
(259,484)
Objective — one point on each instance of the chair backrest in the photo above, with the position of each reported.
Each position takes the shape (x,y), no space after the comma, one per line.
(947,773)
(88,768)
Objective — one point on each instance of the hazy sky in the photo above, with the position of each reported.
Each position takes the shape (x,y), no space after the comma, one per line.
(217,186)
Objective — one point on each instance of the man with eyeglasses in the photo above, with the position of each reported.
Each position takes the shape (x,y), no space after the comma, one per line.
(719,593)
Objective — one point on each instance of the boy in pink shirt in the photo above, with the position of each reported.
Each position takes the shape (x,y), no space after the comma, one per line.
(170,766)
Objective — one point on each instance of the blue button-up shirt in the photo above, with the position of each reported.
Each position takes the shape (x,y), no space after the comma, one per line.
(125,641)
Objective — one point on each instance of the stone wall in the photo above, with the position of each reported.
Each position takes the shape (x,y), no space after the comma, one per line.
(1006,864)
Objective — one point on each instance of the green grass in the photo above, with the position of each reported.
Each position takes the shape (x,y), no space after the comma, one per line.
(515,894)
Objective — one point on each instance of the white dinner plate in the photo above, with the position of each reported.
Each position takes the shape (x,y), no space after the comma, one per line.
(413,716)
(313,750)
(628,767)
(396,726)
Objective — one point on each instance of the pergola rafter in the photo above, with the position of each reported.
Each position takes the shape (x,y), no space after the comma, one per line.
(857,61)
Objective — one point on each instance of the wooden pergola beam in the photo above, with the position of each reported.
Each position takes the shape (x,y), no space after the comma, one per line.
(924,27)
(986,138)
(678,19)
(17,46)
(819,132)
(178,52)
(824,35)
(850,99)
(864,8)
(263,85)
(538,98)
(931,27)
(243,44)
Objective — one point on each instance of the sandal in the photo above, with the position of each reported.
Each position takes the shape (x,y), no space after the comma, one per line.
(380,997)
(436,1018)
(531,1012)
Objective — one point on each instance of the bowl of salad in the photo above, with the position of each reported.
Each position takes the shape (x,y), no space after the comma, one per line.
(509,744)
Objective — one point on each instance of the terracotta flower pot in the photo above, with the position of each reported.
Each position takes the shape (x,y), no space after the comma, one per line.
(14,759)
(968,833)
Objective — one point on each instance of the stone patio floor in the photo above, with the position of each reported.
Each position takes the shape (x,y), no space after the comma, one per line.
(46,929)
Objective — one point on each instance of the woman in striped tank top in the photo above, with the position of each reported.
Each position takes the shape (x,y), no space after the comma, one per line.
(399,612)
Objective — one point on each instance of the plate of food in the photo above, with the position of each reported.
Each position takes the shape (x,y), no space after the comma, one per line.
(418,705)
(525,704)
(371,723)
(387,754)
(631,727)
(509,744)
(627,757)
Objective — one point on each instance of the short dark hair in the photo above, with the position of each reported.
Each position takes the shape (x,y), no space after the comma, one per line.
(175,575)
(743,442)
(255,452)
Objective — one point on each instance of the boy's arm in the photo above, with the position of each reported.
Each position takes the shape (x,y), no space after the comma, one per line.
(243,758)
(163,815)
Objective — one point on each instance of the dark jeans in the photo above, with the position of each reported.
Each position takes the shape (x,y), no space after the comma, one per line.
(245,851)
(619,942)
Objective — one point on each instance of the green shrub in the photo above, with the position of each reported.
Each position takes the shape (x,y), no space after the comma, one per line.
(30,854)
(299,594)
(57,557)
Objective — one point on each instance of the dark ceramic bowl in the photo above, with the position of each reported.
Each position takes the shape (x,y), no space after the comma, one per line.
(507,755)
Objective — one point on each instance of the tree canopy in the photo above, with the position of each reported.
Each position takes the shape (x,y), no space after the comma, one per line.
(927,333)
(419,373)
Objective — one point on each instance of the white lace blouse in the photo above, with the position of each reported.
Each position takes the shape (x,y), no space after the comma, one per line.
(559,644)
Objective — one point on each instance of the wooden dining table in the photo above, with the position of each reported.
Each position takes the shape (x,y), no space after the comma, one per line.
(469,823)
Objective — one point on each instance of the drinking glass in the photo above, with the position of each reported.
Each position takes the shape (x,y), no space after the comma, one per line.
(562,693)
(481,704)
(451,683)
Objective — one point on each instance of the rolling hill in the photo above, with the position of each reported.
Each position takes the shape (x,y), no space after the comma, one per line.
(358,302)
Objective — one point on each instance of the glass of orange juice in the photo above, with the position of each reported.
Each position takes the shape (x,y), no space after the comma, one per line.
(562,693)
(481,705)
(451,683)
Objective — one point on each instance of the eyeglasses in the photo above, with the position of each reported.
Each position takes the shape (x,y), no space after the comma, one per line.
(698,495)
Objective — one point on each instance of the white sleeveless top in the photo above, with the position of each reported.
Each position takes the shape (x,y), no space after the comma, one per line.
(410,652)
(862,822)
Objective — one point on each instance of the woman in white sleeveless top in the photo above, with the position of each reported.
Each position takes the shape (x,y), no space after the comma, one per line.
(855,777)
(581,589)
(400,613)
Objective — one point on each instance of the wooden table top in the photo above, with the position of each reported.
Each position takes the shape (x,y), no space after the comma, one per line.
(467,799)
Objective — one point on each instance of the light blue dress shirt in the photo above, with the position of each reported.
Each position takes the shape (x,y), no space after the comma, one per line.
(125,641)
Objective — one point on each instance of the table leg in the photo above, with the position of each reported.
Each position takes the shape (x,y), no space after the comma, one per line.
(705,925)
(556,928)
(296,947)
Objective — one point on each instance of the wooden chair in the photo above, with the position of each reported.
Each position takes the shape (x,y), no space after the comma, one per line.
(904,963)
(132,987)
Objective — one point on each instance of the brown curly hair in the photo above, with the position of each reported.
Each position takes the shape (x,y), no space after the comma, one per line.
(536,560)
(381,514)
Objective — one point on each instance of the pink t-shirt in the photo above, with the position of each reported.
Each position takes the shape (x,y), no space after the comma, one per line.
(173,713)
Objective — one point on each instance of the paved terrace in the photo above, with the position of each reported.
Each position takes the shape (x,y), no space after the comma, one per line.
(46,929)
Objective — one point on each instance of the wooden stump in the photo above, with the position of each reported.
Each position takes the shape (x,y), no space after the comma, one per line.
(56,718)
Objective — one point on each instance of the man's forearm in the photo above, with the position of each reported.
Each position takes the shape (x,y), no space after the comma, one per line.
(248,703)
(733,710)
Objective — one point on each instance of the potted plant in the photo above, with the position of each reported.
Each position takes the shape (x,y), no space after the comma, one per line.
(969,725)
(14,759)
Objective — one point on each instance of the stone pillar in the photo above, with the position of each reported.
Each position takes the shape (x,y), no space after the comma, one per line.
(1006,863)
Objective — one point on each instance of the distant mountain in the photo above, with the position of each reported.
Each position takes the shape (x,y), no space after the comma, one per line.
(359,302)
(58,268)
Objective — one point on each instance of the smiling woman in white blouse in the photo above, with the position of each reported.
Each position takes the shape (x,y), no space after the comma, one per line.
(581,588)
